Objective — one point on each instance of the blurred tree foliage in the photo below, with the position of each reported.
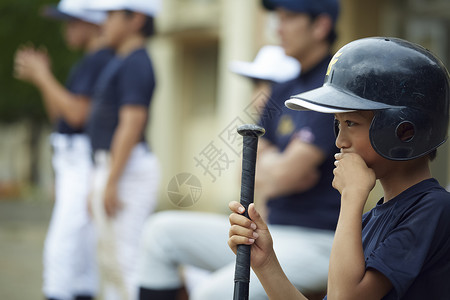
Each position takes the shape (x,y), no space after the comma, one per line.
(20,23)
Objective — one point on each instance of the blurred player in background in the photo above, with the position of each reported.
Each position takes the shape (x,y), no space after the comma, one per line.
(271,65)
(126,171)
(70,270)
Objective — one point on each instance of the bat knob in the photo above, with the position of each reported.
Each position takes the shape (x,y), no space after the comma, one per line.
(251,130)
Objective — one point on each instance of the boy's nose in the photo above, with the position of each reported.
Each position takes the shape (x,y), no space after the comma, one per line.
(341,141)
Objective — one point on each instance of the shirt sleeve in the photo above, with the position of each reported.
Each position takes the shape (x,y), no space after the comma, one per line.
(271,112)
(87,73)
(317,130)
(137,82)
(411,243)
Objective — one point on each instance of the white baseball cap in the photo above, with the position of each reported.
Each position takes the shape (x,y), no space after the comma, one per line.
(74,9)
(148,7)
(271,63)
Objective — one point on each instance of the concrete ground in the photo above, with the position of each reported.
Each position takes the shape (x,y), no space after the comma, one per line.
(23,225)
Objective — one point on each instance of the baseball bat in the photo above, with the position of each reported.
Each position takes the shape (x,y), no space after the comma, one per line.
(250,133)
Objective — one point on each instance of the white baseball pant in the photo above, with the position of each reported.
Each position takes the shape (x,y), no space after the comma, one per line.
(118,237)
(172,239)
(69,249)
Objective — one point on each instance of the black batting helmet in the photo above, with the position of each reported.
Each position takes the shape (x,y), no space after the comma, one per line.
(405,85)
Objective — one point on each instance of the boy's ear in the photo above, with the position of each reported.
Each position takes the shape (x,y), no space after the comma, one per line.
(322,26)
(138,21)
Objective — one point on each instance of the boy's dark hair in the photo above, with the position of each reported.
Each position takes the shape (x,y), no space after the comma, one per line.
(148,29)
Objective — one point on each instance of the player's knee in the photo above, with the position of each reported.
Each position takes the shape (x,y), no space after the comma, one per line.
(202,292)
(159,226)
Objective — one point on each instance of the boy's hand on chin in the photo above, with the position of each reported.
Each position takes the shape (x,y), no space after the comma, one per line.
(352,175)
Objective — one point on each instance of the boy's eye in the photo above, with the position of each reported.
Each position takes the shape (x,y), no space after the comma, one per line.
(337,125)
(350,123)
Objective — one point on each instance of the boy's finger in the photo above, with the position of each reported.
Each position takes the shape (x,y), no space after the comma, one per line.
(23,48)
(18,70)
(109,208)
(236,207)
(19,54)
(242,231)
(235,240)
(237,219)
(256,217)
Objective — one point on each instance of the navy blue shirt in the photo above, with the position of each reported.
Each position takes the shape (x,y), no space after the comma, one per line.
(82,79)
(319,206)
(124,81)
(408,240)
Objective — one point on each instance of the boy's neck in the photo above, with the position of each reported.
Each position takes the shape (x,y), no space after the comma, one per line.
(313,57)
(131,44)
(95,43)
(404,175)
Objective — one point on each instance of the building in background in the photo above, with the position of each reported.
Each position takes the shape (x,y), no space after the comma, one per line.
(199,102)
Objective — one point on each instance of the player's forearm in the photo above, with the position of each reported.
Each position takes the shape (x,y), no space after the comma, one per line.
(62,103)
(265,146)
(293,170)
(347,265)
(275,282)
(274,179)
(120,152)
(127,135)
(123,143)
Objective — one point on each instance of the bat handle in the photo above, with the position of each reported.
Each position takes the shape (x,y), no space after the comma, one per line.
(250,144)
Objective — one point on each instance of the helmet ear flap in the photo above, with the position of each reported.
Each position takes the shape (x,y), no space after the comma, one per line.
(405,131)
(401,133)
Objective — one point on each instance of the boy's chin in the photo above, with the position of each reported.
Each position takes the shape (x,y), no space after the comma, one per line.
(109,41)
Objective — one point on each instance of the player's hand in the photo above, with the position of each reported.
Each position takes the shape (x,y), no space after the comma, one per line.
(351,174)
(31,64)
(111,201)
(252,232)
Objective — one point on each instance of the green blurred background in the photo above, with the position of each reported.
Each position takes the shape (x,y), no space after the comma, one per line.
(21,23)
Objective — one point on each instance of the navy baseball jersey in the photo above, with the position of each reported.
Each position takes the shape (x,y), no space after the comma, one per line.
(126,80)
(319,206)
(82,79)
(407,239)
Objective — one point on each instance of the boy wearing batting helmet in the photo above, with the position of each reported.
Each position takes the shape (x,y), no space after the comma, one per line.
(390,99)
(126,172)
(70,270)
